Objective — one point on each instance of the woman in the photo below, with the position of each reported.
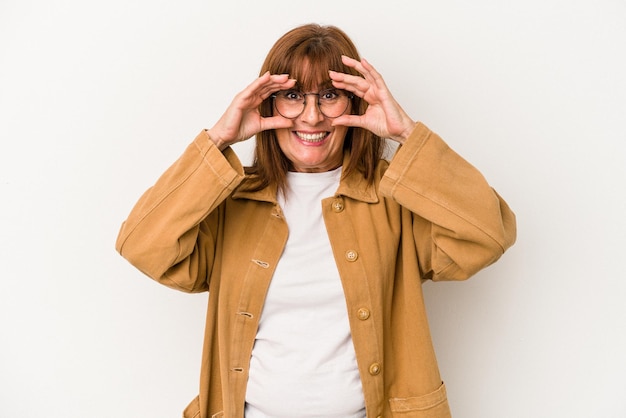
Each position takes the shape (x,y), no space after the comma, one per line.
(314,256)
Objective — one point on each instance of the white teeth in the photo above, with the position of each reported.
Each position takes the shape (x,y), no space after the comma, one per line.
(311,137)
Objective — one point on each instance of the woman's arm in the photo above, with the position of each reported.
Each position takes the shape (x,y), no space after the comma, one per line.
(170,233)
(461,224)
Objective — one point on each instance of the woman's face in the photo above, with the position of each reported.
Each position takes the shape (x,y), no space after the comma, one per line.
(312,144)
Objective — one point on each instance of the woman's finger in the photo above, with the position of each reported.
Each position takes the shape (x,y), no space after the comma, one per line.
(275,122)
(366,69)
(354,84)
(273,86)
(357,121)
(374,74)
(264,86)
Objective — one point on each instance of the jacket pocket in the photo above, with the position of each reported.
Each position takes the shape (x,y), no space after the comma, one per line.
(431,405)
(193,409)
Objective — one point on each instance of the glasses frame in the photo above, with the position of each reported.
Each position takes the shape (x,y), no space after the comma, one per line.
(349,95)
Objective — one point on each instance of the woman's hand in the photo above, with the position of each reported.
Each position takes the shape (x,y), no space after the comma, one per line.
(383,116)
(242,119)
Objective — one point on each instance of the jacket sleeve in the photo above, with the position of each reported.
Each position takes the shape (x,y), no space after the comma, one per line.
(170,234)
(460,224)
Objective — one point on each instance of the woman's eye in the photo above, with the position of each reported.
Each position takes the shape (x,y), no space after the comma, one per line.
(329,95)
(293,95)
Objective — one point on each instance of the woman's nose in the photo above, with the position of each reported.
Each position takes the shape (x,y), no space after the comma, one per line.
(311,112)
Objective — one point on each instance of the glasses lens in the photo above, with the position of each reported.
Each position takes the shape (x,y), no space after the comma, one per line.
(289,103)
(332,103)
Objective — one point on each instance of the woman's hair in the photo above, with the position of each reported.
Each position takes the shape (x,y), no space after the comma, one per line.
(307,53)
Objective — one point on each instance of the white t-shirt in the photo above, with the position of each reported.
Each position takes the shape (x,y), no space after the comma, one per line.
(303,362)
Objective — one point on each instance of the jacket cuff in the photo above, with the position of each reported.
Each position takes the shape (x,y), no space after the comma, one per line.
(403,158)
(225,164)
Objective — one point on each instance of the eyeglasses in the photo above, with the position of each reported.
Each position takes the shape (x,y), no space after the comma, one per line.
(332,103)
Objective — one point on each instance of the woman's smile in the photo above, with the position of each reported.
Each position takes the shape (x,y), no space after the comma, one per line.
(313,148)
(313,138)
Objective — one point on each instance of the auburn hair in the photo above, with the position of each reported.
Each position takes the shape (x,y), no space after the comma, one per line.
(307,53)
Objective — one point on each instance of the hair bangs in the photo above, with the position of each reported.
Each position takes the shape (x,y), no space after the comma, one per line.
(310,68)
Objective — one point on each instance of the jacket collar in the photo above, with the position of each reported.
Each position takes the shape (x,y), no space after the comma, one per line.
(356,187)
(353,186)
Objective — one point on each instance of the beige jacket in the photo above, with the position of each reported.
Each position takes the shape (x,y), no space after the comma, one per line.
(429,215)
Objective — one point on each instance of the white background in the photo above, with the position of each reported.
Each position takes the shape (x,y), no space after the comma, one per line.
(97,98)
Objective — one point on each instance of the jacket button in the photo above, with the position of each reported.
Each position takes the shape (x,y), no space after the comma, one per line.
(375,369)
(363,314)
(351,255)
(337,206)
